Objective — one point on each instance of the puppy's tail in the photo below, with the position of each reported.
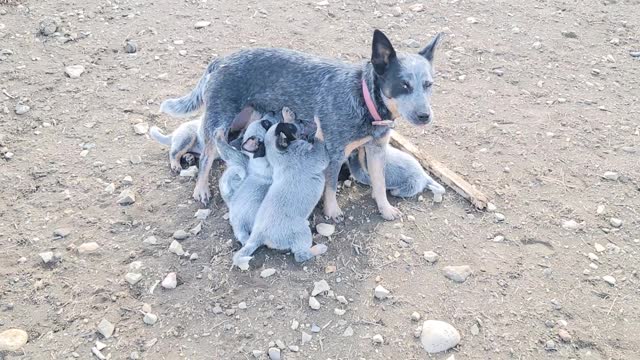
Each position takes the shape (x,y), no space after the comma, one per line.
(356,168)
(183,106)
(158,136)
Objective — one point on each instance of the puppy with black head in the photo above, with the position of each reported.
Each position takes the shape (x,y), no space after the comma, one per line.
(247,178)
(298,182)
(186,139)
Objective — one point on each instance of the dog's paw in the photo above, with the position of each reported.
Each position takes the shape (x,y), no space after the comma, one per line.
(176,168)
(390,213)
(334,213)
(242,262)
(202,194)
(319,249)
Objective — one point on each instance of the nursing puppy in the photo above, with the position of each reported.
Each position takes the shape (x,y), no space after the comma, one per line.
(247,178)
(403,174)
(298,182)
(187,138)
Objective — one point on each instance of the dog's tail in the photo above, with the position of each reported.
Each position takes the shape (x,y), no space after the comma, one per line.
(356,163)
(158,136)
(183,106)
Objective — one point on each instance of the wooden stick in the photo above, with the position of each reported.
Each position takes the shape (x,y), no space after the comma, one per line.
(453,180)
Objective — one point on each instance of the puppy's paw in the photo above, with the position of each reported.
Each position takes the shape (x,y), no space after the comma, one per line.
(288,116)
(176,168)
(202,194)
(242,262)
(390,213)
(319,249)
(437,190)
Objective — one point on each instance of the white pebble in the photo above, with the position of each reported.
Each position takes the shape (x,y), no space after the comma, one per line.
(13,339)
(431,256)
(74,71)
(609,280)
(611,175)
(202,24)
(176,248)
(314,303)
(133,278)
(325,230)
(170,281)
(381,293)
(438,336)
(458,274)
(616,223)
(150,319)
(267,272)
(88,248)
(320,287)
(377,339)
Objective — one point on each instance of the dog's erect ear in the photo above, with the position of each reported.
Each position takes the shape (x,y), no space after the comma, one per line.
(382,52)
(266,124)
(430,49)
(251,145)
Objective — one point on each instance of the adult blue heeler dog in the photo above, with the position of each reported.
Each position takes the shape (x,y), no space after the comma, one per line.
(349,99)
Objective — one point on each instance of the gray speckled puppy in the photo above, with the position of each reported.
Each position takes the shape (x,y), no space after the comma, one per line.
(247,178)
(298,181)
(403,174)
(187,138)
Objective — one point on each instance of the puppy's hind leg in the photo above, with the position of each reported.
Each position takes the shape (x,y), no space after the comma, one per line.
(242,257)
(180,145)
(330,202)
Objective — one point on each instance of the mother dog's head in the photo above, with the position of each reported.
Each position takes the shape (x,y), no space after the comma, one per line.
(405,80)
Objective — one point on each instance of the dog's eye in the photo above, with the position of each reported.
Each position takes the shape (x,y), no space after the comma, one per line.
(427,84)
(406,85)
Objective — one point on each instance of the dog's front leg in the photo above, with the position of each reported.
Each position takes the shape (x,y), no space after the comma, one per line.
(330,202)
(376,151)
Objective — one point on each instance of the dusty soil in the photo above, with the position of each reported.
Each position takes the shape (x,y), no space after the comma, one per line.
(535,101)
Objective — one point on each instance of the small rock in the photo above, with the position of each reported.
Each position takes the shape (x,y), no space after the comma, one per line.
(339,312)
(415,316)
(570,34)
(47,257)
(592,256)
(130,47)
(475,330)
(8,155)
(106,328)
(499,217)
(330,269)
(599,248)
(182,52)
(458,274)
(196,229)
(48,26)
(202,24)
(305,338)
(88,248)
(347,183)
(325,230)
(609,280)
(491,207)
(377,339)
(613,249)
(498,238)
(110,189)
(438,336)
(193,257)
(133,278)
(635,54)
(381,293)
(616,223)
(180,235)
(141,128)
(411,43)
(192,171)
(417,7)
(257,353)
(13,339)
(320,287)
(100,345)
(430,256)
(537,45)
(600,209)
(74,71)
(151,240)
(135,159)
(126,197)
(267,272)
(170,281)
(242,305)
(472,20)
(611,175)
(280,344)
(314,303)
(150,319)
(202,214)
(22,109)
(348,332)
(61,233)
(315,328)
(295,324)
(134,355)
(564,335)
(570,225)
(176,248)
(127,180)
(550,346)
(294,348)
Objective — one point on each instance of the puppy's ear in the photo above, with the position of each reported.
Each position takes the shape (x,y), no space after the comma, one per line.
(285,134)
(382,52)
(266,124)
(430,49)
(251,145)
(261,151)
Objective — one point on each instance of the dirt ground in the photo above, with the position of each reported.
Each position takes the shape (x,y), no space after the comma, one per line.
(534,102)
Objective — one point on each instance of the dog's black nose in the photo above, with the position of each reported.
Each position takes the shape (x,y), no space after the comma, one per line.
(424,117)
